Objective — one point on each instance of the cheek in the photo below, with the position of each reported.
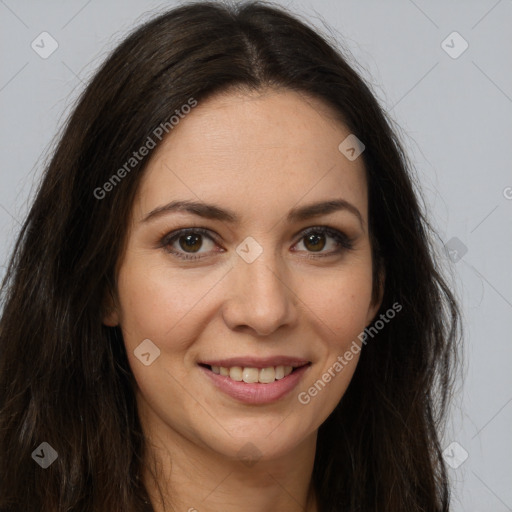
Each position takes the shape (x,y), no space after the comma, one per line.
(166,306)
(157,302)
(340,312)
(341,302)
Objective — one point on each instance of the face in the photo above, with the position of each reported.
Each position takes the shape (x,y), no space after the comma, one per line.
(259,281)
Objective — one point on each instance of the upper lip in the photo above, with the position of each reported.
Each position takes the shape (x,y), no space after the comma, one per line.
(256,362)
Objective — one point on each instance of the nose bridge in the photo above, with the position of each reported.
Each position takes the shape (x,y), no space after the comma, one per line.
(262,298)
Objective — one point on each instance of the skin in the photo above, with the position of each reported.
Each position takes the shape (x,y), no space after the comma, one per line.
(259,155)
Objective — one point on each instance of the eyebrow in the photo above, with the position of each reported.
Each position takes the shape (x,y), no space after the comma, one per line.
(211,211)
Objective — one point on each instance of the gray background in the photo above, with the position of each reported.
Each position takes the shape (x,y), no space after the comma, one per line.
(456,120)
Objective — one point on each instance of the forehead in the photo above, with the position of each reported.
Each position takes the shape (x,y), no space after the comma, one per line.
(254,151)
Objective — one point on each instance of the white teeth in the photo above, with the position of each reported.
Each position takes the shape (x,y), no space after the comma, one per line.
(251,375)
(267,375)
(235,373)
(279,372)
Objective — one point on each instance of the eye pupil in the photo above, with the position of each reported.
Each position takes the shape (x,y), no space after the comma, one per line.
(191,242)
(318,242)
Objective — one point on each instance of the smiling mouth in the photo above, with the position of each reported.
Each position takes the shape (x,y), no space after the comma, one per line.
(253,375)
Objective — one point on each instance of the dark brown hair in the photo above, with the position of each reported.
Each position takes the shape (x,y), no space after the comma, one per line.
(64,376)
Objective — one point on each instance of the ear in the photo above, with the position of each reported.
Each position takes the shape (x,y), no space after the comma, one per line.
(110,310)
(377,301)
(111,319)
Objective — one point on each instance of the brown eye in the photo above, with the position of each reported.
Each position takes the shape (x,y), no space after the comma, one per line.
(314,242)
(316,239)
(190,243)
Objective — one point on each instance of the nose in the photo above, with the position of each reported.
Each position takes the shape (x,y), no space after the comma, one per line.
(261,297)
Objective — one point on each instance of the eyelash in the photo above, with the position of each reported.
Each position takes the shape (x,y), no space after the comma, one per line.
(344,242)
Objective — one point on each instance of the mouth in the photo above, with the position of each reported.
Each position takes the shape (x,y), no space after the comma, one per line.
(254,374)
(253,381)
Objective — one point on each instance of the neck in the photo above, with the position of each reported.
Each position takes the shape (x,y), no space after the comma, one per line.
(180,475)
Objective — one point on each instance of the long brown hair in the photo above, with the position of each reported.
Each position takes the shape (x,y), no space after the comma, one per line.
(64,376)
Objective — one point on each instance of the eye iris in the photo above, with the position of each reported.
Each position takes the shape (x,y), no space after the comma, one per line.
(317,240)
(191,242)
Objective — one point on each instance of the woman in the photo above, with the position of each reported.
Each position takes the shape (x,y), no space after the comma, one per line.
(224,295)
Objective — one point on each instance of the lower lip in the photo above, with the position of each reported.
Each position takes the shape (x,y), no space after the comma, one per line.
(256,393)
